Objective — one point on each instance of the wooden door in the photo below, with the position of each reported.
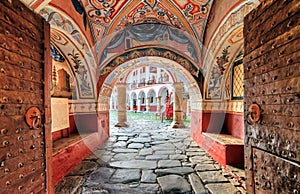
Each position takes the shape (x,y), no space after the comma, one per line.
(272,81)
(24,59)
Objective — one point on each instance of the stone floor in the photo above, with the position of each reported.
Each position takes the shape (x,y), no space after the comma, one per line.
(148,157)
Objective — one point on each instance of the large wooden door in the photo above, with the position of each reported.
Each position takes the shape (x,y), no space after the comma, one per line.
(272,80)
(24,57)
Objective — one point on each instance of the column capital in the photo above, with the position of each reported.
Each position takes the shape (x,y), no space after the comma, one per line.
(120,85)
(178,85)
(158,97)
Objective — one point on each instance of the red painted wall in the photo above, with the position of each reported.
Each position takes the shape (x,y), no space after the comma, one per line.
(196,125)
(95,124)
(219,122)
(213,121)
(234,124)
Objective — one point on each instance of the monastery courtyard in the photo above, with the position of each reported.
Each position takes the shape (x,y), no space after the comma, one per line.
(149,157)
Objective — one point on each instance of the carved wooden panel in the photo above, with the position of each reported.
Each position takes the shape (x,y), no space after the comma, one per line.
(272,80)
(22,85)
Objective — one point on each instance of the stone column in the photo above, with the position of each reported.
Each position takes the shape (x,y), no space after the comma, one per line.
(131,104)
(188,107)
(122,117)
(177,108)
(158,104)
(139,105)
(147,104)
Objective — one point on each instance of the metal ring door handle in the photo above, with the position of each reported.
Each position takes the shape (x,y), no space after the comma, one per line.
(33,118)
(253,115)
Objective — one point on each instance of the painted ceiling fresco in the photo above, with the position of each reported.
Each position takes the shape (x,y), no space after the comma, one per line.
(97,30)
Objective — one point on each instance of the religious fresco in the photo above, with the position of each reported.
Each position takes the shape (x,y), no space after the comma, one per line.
(149,34)
(77,63)
(62,84)
(216,76)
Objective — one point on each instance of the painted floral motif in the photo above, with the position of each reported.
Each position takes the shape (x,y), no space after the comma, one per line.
(214,87)
(81,71)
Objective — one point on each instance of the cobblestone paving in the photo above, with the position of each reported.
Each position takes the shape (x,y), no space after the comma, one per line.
(148,157)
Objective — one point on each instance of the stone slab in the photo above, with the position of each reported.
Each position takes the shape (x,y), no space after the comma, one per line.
(134,164)
(174,184)
(212,177)
(126,176)
(148,176)
(226,188)
(145,152)
(120,150)
(135,146)
(206,167)
(168,163)
(175,170)
(124,156)
(157,157)
(101,175)
(196,184)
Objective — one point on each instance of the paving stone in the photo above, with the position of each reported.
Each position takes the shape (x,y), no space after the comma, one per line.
(119,144)
(226,188)
(168,163)
(175,170)
(126,176)
(200,159)
(145,151)
(135,145)
(83,168)
(157,157)
(212,177)
(165,146)
(189,153)
(148,188)
(180,145)
(194,144)
(101,175)
(144,135)
(158,142)
(206,167)
(177,156)
(141,164)
(174,184)
(148,176)
(68,185)
(140,140)
(125,156)
(164,152)
(196,183)
(105,158)
(123,150)
(122,138)
(194,149)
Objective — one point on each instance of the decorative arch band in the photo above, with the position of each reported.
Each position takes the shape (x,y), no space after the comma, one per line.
(149,52)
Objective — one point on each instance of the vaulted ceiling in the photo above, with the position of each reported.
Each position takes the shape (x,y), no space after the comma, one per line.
(90,35)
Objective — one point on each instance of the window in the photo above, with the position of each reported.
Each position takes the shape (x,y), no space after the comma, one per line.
(238,80)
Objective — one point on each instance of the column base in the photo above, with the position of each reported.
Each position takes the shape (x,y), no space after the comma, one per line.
(176,124)
(121,124)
